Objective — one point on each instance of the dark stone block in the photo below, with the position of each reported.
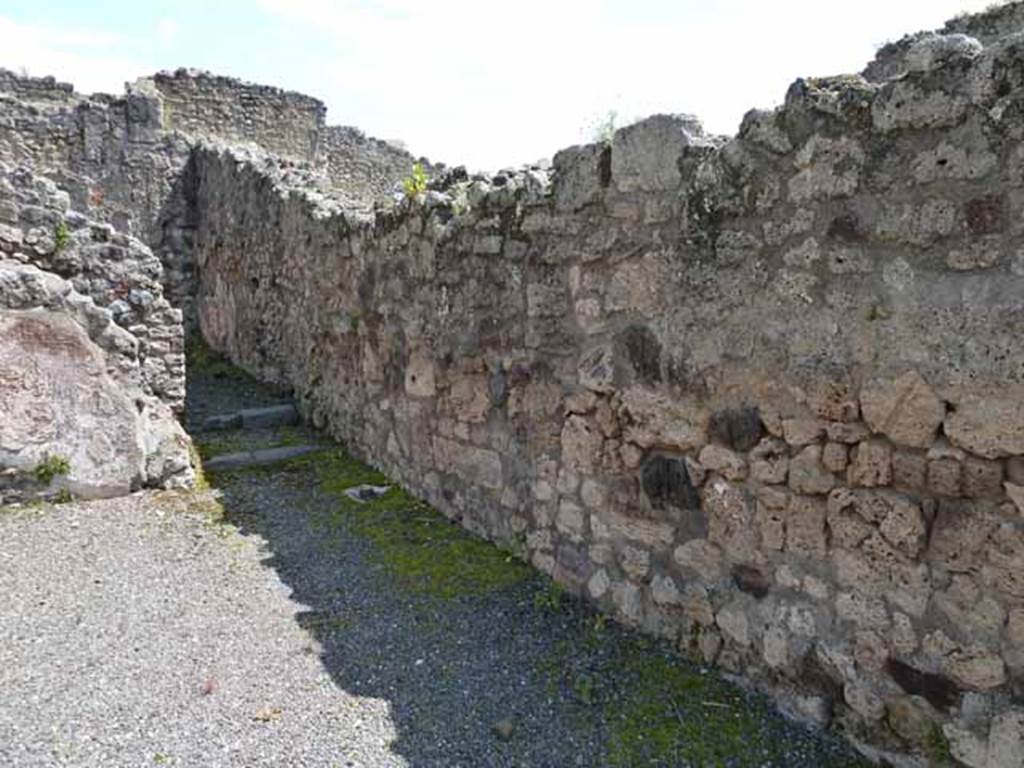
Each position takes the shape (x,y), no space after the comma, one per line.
(752,580)
(666,483)
(986,215)
(643,350)
(937,690)
(740,429)
(846,227)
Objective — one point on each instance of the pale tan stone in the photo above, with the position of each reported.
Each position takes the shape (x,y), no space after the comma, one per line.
(1016,494)
(582,444)
(627,601)
(775,647)
(419,376)
(848,434)
(651,420)
(870,651)
(729,464)
(771,522)
(802,431)
(944,477)
(807,474)
(805,526)
(598,584)
(664,591)
(909,469)
(732,620)
(650,533)
(870,465)
(906,409)
(863,700)
(982,478)
(968,748)
(730,521)
(987,426)
(834,457)
(470,399)
(769,461)
(975,668)
(904,527)
(903,636)
(1006,739)
(570,520)
(701,557)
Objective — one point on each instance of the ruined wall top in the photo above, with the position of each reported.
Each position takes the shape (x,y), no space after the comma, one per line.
(283,122)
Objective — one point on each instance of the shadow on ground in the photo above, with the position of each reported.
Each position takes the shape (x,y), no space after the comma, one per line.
(483,661)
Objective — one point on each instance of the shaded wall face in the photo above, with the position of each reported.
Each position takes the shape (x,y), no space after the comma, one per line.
(763,397)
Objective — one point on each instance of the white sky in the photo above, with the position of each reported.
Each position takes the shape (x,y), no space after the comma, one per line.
(483,83)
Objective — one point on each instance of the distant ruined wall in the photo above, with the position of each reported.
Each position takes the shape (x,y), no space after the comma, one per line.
(361,168)
(762,396)
(125,160)
(283,122)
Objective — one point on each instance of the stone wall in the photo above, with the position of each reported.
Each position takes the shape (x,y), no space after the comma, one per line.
(362,169)
(116,271)
(91,354)
(761,396)
(201,104)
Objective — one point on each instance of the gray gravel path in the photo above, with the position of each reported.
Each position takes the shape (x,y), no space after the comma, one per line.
(134,634)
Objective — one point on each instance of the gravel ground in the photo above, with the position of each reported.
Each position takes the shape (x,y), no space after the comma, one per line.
(132,634)
(143,631)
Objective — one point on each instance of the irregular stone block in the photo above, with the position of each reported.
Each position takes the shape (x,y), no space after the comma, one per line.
(987,426)
(906,409)
(807,474)
(645,155)
(871,465)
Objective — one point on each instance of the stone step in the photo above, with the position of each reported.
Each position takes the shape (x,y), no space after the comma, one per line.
(283,415)
(258,457)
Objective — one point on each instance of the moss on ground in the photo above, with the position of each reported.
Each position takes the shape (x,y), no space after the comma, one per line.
(210,444)
(427,553)
(201,360)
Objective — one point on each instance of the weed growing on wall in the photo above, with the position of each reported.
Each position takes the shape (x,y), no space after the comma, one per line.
(51,466)
(416,183)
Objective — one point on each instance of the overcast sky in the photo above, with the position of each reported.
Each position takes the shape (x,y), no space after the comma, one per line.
(486,84)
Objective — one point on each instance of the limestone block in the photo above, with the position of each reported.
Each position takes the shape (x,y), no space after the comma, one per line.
(729,464)
(419,376)
(944,476)
(645,155)
(807,474)
(582,444)
(870,465)
(909,469)
(904,527)
(769,461)
(975,668)
(982,478)
(834,457)
(730,521)
(732,620)
(664,591)
(905,409)
(802,431)
(987,426)
(805,526)
(700,557)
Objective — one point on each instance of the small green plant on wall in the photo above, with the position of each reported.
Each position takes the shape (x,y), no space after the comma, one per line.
(416,183)
(51,466)
(61,236)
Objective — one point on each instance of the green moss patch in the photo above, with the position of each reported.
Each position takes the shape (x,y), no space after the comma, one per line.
(427,553)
